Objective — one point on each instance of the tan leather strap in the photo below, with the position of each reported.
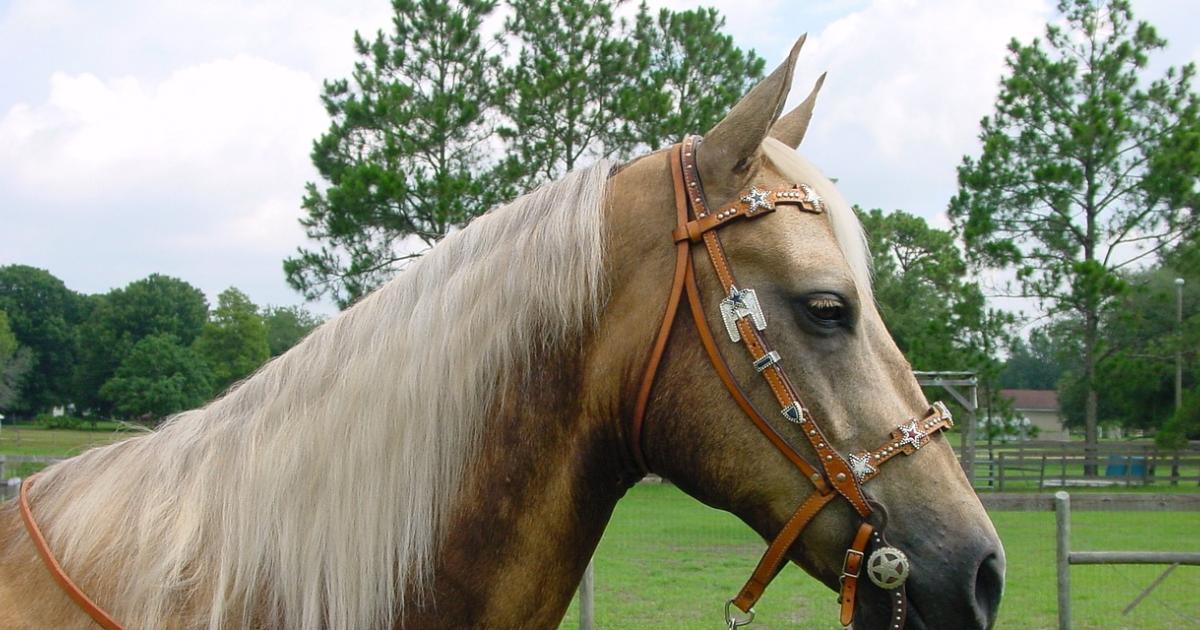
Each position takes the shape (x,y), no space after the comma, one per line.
(682,261)
(851,570)
(101,618)
(747,207)
(769,565)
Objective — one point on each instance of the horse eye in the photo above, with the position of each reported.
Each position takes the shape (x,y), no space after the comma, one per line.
(826,309)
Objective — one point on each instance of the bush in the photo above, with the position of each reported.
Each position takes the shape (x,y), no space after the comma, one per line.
(48,421)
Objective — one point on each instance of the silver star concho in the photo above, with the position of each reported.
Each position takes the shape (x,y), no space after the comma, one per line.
(860,465)
(739,304)
(910,434)
(813,198)
(887,567)
(757,199)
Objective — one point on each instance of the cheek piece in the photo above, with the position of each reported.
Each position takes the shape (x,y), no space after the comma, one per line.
(834,476)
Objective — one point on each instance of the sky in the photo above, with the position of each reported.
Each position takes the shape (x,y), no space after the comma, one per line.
(144,136)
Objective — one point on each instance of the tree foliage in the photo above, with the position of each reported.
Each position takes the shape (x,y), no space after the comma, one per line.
(404,159)
(15,363)
(693,74)
(234,341)
(154,305)
(565,95)
(287,325)
(432,128)
(42,314)
(157,378)
(1087,169)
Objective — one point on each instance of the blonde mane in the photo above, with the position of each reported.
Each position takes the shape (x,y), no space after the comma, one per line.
(847,229)
(313,495)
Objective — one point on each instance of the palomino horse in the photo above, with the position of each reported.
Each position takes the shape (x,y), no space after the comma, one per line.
(446,453)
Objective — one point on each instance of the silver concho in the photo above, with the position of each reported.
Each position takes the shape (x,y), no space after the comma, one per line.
(887,567)
(813,199)
(757,199)
(860,465)
(739,304)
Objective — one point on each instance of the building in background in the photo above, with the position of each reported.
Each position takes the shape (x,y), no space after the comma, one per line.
(1037,414)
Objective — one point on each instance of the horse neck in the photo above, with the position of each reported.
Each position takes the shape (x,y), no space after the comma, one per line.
(533,508)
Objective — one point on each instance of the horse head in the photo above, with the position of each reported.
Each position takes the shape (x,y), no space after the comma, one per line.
(805,266)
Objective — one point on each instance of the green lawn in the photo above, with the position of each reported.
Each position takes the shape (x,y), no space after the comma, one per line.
(25,439)
(667,561)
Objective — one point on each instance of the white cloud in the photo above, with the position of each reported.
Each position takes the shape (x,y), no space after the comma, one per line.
(908,83)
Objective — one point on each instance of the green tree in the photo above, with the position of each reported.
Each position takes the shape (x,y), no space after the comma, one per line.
(1033,364)
(158,377)
(154,305)
(287,325)
(565,96)
(15,363)
(42,313)
(693,75)
(1086,169)
(405,157)
(234,341)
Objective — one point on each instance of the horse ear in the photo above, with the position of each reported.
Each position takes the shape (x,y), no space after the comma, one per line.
(791,127)
(731,145)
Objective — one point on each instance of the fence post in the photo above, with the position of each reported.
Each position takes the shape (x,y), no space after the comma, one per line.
(587,594)
(1000,473)
(1062,518)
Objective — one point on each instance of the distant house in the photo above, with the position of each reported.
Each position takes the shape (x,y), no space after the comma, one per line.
(1037,408)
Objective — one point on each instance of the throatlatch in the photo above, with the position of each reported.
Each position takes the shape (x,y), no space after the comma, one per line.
(745,323)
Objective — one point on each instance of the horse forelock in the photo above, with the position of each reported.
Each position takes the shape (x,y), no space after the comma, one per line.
(314,494)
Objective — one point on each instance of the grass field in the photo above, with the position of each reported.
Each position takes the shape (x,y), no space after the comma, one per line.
(667,561)
(33,440)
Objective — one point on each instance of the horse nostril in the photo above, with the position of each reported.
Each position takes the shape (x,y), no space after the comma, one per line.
(989,585)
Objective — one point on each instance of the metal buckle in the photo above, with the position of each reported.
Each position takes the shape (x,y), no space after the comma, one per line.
(731,619)
(846,560)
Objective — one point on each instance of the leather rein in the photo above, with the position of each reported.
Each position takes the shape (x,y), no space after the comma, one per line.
(744,320)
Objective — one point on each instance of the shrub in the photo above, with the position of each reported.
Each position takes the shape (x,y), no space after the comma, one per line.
(48,421)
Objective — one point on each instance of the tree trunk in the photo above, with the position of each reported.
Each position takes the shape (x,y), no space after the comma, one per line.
(1091,405)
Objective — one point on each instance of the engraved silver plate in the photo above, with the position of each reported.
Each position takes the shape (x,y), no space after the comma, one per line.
(887,567)
(739,304)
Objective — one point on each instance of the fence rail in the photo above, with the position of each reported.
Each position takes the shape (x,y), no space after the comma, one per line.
(1040,465)
(1063,505)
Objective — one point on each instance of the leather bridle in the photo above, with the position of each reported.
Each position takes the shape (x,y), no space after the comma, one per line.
(745,321)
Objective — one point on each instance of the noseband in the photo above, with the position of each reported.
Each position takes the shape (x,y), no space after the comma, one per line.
(744,322)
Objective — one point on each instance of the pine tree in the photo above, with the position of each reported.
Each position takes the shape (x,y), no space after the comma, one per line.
(1087,168)
(563,96)
(694,75)
(405,158)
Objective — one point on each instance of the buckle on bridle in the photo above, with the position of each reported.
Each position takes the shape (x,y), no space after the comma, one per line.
(846,562)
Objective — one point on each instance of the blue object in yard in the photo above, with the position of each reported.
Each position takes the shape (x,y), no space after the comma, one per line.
(1125,465)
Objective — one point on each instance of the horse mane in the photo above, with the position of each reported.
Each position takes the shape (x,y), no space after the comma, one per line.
(847,229)
(314,494)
